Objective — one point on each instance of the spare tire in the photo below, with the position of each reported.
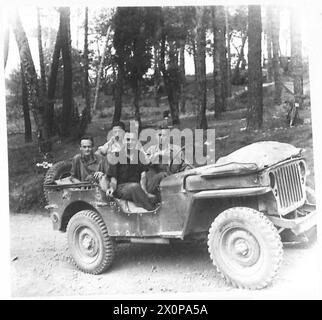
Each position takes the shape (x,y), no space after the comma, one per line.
(57,171)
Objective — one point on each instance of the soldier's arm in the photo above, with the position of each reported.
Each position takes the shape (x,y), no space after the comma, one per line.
(113,183)
(143,181)
(143,184)
(102,150)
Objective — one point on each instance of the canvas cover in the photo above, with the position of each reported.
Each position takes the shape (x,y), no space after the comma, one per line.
(251,158)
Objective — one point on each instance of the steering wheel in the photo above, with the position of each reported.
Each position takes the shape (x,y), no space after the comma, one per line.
(183,165)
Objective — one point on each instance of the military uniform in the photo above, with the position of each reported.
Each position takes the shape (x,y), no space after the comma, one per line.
(160,158)
(128,177)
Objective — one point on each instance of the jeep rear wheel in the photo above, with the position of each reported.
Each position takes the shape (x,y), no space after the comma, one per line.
(91,248)
(245,247)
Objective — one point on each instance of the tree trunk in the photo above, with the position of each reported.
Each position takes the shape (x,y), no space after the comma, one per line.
(219,56)
(114,79)
(276,62)
(201,68)
(183,78)
(30,76)
(269,21)
(136,102)
(171,76)
(52,82)
(139,43)
(67,110)
(174,82)
(194,54)
(157,62)
(269,59)
(43,85)
(17,91)
(243,60)
(296,57)
(236,73)
(25,108)
(100,69)
(120,51)
(118,91)
(255,90)
(86,112)
(157,76)
(6,46)
(228,78)
(223,68)
(86,66)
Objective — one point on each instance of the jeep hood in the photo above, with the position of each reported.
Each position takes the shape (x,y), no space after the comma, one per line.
(251,158)
(263,154)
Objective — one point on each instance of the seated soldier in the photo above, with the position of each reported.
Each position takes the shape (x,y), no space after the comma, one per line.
(88,166)
(115,138)
(125,178)
(160,158)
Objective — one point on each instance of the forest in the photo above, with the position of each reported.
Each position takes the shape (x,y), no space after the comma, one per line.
(238,69)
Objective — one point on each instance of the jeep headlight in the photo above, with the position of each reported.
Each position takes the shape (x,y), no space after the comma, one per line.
(272,180)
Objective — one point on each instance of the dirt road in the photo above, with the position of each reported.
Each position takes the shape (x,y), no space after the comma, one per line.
(41,267)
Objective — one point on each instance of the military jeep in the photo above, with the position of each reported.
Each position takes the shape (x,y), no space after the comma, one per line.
(240,205)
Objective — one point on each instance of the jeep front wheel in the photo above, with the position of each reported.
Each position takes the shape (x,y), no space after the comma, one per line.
(91,248)
(245,247)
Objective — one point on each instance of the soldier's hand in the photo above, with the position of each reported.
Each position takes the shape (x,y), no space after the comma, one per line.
(109,191)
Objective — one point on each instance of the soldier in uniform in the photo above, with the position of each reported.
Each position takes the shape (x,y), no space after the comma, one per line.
(115,140)
(125,178)
(161,161)
(88,166)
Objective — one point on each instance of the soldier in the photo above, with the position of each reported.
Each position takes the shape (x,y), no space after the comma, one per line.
(87,166)
(114,143)
(125,178)
(160,158)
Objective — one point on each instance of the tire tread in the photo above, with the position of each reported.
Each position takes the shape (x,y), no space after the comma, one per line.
(107,241)
(266,228)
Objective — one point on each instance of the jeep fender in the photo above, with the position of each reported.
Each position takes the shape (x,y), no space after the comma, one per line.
(206,205)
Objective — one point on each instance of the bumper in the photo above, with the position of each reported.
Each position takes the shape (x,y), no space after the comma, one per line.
(298,225)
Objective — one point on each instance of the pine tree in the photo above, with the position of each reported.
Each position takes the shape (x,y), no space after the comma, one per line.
(255,90)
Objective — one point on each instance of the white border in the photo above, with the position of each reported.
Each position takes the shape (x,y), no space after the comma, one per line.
(314,9)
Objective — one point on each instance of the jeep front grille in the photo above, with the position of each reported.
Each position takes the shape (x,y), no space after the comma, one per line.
(289,186)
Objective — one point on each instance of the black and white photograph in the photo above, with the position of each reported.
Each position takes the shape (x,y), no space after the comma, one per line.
(161,151)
